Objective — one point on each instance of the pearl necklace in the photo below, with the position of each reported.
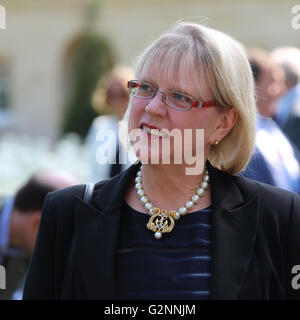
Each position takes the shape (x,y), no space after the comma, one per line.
(162,220)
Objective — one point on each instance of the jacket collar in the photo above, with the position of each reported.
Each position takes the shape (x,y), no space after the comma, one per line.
(234,219)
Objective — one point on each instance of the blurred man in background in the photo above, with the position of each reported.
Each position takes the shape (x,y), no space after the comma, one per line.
(19,221)
(279,154)
(288,109)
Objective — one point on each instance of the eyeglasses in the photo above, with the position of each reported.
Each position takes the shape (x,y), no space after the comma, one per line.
(173,99)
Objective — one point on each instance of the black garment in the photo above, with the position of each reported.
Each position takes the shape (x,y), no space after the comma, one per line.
(116,168)
(175,267)
(255,240)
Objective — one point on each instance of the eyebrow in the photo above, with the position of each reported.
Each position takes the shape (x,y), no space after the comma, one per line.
(172,88)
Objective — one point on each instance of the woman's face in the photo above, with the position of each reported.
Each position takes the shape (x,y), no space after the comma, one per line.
(155,114)
(117,97)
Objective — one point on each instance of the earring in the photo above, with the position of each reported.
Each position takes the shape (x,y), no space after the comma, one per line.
(216,142)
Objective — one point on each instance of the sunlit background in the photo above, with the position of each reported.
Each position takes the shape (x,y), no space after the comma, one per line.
(53,52)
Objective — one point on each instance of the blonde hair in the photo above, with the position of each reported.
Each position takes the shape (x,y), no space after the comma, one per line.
(100,98)
(194,48)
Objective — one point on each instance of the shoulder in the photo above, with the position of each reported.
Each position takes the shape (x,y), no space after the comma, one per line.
(272,199)
(66,193)
(58,206)
(61,201)
(263,190)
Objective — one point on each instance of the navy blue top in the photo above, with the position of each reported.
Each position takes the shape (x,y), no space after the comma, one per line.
(177,266)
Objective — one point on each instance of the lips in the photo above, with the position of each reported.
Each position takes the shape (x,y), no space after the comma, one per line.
(153,130)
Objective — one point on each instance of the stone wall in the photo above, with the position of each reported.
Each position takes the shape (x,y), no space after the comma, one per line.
(39,34)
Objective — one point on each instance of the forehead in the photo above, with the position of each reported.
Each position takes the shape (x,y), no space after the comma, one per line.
(175,70)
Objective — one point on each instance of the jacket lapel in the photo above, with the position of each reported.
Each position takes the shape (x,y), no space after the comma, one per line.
(96,234)
(234,226)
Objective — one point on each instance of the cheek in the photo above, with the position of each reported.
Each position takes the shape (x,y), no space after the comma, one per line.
(205,120)
(179,120)
(137,109)
(186,120)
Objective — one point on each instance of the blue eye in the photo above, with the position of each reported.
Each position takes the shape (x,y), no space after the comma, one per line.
(181,97)
(146,87)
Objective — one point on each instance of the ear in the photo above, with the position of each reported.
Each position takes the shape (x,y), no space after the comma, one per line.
(226,122)
(35,219)
(30,227)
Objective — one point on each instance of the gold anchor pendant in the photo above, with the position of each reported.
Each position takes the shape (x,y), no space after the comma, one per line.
(161,221)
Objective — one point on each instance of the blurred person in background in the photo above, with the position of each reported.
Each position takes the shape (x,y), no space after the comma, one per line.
(110,100)
(288,109)
(19,221)
(278,153)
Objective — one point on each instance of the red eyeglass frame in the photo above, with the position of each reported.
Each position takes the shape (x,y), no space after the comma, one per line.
(195,103)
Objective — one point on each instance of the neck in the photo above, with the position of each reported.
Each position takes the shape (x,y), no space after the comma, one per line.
(168,186)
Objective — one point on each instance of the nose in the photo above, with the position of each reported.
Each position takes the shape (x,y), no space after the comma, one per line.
(156,106)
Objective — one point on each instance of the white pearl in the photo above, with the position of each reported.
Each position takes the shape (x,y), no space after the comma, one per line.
(157,235)
(140,192)
(148,206)
(138,186)
(200,192)
(195,198)
(189,204)
(205,178)
(204,185)
(144,199)
(138,179)
(151,211)
(182,210)
(177,216)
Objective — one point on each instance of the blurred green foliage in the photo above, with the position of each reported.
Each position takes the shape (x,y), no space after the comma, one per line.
(92,59)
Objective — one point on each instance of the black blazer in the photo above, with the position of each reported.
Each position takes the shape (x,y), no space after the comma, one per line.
(255,241)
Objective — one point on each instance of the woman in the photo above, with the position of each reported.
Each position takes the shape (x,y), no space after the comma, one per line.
(110,100)
(209,235)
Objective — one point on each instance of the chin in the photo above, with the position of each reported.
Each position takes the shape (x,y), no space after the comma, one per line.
(150,155)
